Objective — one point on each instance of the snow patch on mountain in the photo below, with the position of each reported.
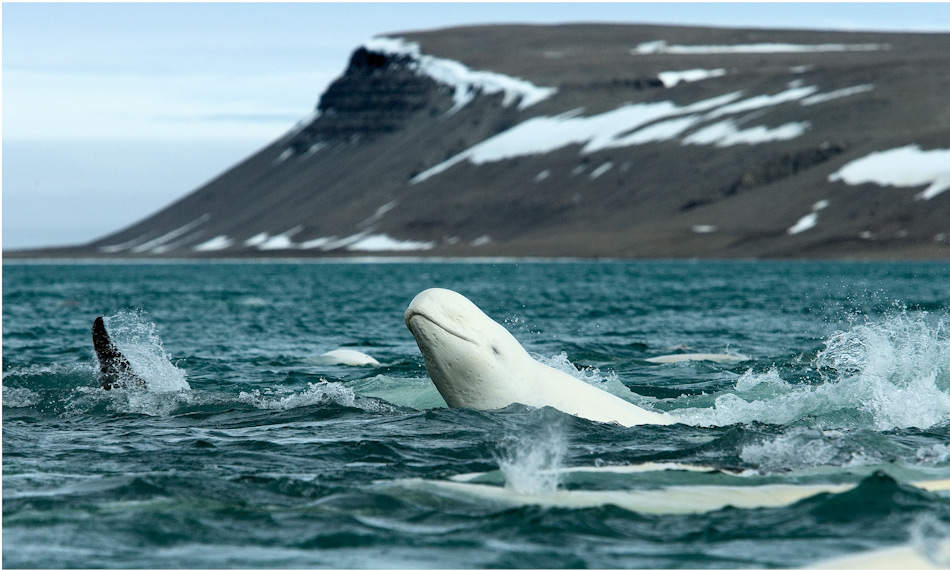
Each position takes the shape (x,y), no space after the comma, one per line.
(382,242)
(674,78)
(640,123)
(904,167)
(215,244)
(156,245)
(466,83)
(810,220)
(661,47)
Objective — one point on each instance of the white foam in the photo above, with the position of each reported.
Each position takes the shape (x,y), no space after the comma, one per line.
(704,229)
(661,47)
(465,82)
(215,244)
(674,78)
(935,454)
(322,392)
(906,167)
(19,397)
(803,448)
(892,374)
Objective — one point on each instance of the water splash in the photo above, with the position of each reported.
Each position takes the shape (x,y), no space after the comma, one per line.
(900,368)
(531,463)
(936,454)
(806,447)
(19,397)
(931,536)
(322,392)
(884,375)
(137,339)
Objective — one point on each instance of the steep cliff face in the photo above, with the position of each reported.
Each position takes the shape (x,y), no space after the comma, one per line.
(379,93)
(595,140)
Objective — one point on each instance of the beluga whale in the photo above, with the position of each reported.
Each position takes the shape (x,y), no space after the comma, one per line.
(114,368)
(476,363)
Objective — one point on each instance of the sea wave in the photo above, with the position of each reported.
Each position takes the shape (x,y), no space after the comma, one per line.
(322,392)
(884,375)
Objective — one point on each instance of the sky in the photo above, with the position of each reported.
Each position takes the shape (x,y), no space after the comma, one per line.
(111,111)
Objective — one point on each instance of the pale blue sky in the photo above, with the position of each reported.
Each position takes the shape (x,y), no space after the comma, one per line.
(113,110)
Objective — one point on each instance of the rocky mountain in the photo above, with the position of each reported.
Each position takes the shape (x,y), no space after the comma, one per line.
(594,140)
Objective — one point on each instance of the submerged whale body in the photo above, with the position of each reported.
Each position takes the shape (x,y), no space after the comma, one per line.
(114,368)
(475,362)
(345,357)
(697,356)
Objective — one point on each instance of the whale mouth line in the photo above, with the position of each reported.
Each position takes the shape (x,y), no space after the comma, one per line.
(449,330)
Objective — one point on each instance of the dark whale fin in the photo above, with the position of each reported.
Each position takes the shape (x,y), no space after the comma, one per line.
(114,368)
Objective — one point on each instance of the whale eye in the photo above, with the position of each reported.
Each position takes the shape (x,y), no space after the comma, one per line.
(495,350)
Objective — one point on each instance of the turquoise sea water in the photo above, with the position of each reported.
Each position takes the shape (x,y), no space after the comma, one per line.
(245,451)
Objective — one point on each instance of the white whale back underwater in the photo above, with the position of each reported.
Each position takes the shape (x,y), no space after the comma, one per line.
(475,362)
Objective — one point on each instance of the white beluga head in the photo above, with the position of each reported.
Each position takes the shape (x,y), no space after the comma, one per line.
(476,363)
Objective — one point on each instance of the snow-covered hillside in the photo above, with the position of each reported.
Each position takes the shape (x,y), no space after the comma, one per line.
(588,140)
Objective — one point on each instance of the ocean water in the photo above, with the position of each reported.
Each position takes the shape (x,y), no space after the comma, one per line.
(246,451)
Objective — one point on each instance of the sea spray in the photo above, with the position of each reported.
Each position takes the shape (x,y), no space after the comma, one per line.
(936,454)
(322,392)
(931,536)
(802,448)
(890,374)
(530,463)
(901,367)
(137,339)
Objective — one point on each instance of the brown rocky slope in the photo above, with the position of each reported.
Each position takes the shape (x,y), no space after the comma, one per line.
(590,141)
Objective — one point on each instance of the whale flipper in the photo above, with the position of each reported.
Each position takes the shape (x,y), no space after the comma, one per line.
(114,368)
